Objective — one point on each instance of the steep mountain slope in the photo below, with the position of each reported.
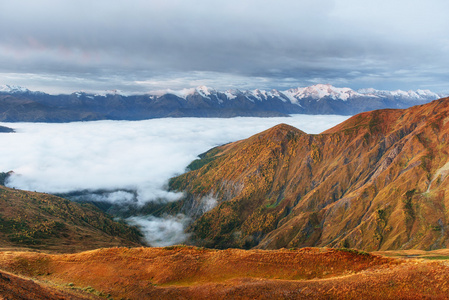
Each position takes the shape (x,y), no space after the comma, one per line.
(376,181)
(19,104)
(46,222)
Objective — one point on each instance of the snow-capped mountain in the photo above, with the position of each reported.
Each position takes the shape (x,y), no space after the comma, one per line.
(320,91)
(315,92)
(411,95)
(13,89)
(200,102)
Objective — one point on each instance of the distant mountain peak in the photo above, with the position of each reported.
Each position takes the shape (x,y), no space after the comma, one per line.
(205,91)
(410,95)
(14,89)
(319,91)
(201,101)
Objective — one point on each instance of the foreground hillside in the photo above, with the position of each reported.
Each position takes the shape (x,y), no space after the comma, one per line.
(20,288)
(377,181)
(195,273)
(45,222)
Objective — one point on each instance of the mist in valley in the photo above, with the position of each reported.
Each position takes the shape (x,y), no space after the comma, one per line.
(127,163)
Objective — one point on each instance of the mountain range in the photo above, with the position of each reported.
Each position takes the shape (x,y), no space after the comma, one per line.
(22,105)
(378,181)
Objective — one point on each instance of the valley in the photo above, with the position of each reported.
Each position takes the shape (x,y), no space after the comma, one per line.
(224,150)
(357,211)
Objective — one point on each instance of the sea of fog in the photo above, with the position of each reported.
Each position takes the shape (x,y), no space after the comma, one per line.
(124,156)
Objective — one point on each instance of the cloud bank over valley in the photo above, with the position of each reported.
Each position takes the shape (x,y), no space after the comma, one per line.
(124,155)
(130,160)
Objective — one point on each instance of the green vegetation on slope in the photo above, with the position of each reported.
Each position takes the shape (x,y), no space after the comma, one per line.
(43,221)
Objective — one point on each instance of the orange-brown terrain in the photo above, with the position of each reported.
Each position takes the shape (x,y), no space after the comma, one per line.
(46,222)
(196,273)
(16,287)
(377,181)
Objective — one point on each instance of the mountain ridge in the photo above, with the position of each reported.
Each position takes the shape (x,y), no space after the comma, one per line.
(374,182)
(20,104)
(31,220)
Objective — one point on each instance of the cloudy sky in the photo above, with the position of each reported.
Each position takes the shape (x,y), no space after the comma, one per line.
(143,45)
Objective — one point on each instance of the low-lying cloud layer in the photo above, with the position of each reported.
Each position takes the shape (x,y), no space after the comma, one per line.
(124,155)
(161,232)
(131,160)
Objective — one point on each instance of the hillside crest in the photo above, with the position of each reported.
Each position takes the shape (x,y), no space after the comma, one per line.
(375,181)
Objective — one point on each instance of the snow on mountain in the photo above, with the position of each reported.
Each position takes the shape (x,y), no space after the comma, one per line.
(294,96)
(232,94)
(259,95)
(290,94)
(319,91)
(406,95)
(205,91)
(203,101)
(418,95)
(202,90)
(178,93)
(368,91)
(13,89)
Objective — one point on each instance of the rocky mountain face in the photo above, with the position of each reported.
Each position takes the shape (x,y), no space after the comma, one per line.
(377,181)
(20,105)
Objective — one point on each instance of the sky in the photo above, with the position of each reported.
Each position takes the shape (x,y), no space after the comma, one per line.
(124,156)
(136,46)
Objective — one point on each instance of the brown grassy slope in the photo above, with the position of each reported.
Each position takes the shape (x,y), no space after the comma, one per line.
(194,273)
(46,222)
(377,181)
(17,288)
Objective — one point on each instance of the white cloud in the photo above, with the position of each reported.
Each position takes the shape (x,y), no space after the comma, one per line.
(159,45)
(122,159)
(208,202)
(124,155)
(121,197)
(161,232)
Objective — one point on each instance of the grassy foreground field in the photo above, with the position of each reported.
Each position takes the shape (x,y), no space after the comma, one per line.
(181,272)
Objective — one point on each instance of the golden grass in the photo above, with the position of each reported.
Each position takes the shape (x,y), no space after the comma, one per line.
(46,222)
(198,273)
